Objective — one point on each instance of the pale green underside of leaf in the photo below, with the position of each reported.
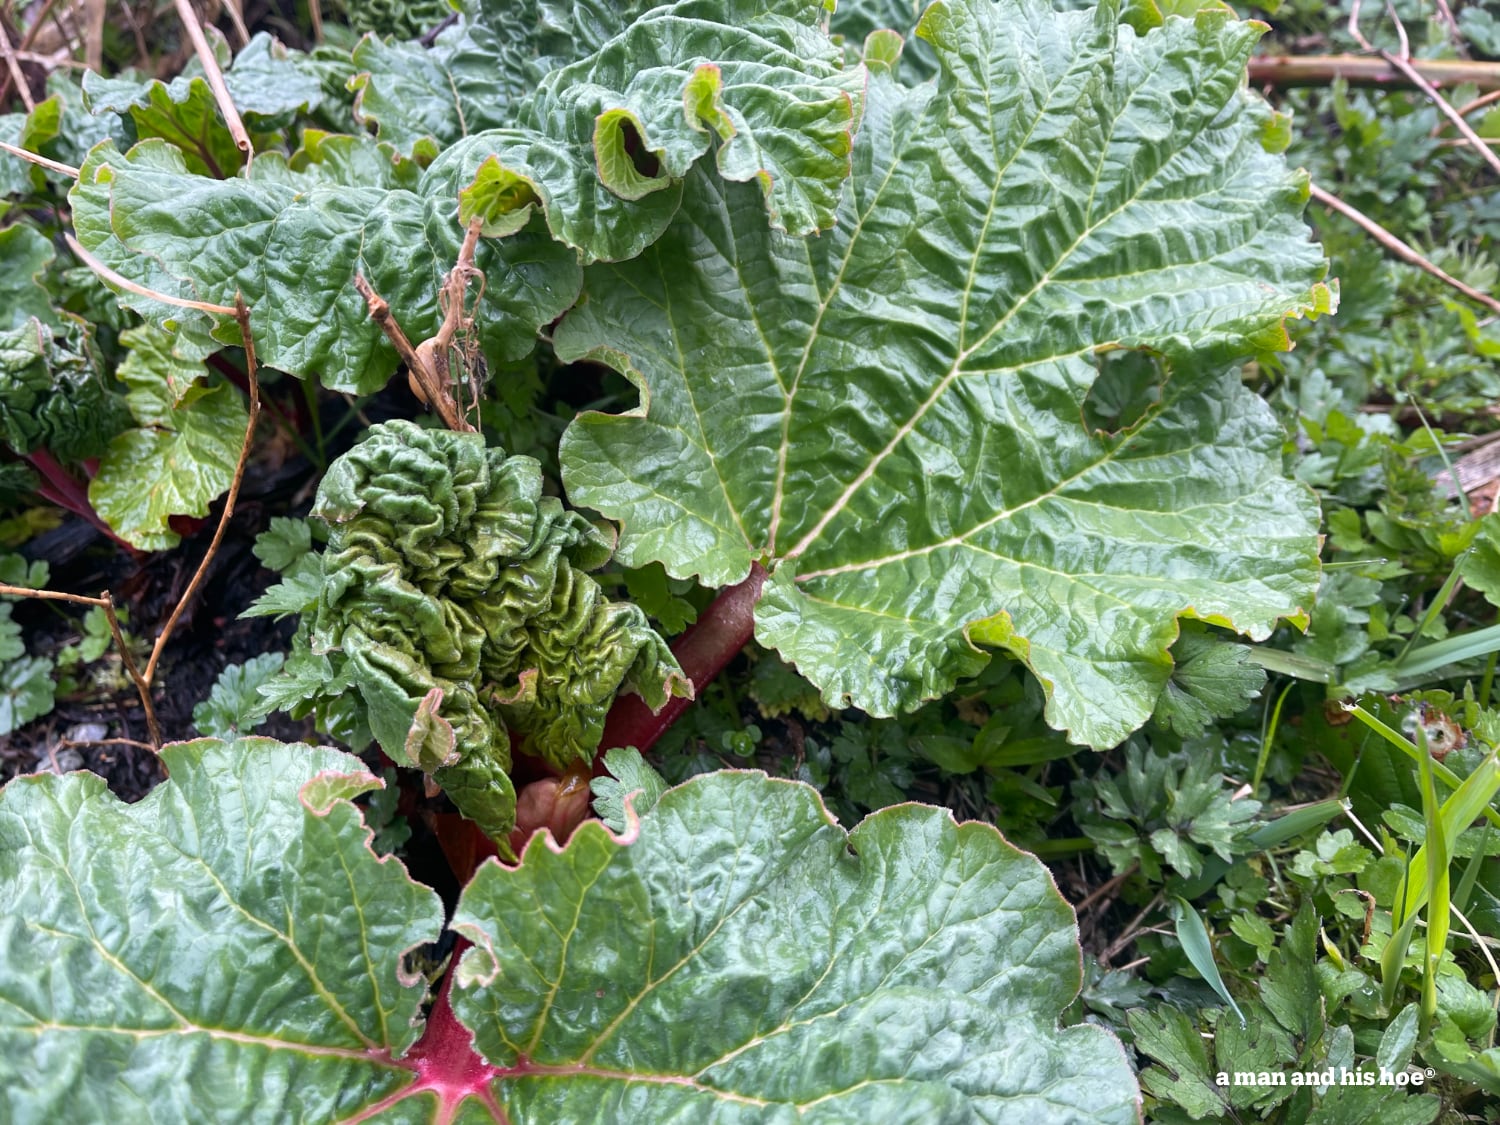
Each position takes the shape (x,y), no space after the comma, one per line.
(767,967)
(218,951)
(891,414)
(292,249)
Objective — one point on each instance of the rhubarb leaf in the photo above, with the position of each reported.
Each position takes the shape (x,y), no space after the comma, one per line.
(292,246)
(228,948)
(893,416)
(180,457)
(602,145)
(766,965)
(29,131)
(451,603)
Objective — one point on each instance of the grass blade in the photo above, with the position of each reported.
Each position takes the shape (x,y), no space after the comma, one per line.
(1193,935)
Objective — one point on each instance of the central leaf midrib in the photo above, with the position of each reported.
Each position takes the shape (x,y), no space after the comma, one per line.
(1016,307)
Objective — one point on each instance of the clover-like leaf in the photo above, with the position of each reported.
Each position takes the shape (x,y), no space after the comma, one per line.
(234,704)
(893,417)
(766,965)
(29,689)
(228,948)
(1211,679)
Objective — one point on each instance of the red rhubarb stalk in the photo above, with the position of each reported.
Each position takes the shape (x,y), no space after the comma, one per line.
(725,627)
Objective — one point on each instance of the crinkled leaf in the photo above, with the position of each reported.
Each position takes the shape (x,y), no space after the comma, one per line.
(293,251)
(629,776)
(184,114)
(765,965)
(227,948)
(26,690)
(177,466)
(264,82)
(1211,679)
(234,704)
(52,395)
(603,143)
(582,651)
(892,415)
(453,600)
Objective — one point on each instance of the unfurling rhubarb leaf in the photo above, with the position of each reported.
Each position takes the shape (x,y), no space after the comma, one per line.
(452,601)
(767,966)
(228,948)
(892,417)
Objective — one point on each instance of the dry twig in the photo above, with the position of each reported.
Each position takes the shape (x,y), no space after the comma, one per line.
(242,317)
(40,161)
(13,68)
(27,39)
(215,79)
(1403,250)
(1402,62)
(428,363)
(141,680)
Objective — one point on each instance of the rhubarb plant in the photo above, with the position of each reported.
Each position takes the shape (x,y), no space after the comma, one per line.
(232,949)
(452,606)
(933,358)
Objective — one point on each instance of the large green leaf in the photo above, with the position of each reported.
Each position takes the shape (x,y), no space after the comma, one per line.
(602,144)
(292,243)
(230,948)
(893,416)
(763,965)
(227,949)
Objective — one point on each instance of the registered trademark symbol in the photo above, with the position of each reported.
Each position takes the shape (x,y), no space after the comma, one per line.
(1431,1073)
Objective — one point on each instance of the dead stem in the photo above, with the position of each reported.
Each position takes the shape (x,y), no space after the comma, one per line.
(14,69)
(1402,62)
(105,602)
(215,78)
(1403,250)
(139,290)
(27,39)
(40,161)
(242,317)
(427,364)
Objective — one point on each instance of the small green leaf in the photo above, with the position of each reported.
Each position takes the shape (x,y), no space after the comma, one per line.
(1211,679)
(630,776)
(1398,1040)
(283,543)
(234,704)
(26,692)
